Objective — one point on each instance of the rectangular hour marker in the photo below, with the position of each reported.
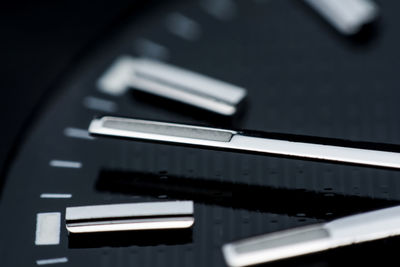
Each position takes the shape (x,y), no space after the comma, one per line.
(65,164)
(173,83)
(52,261)
(50,195)
(221,9)
(182,26)
(77,133)
(48,228)
(129,217)
(150,49)
(99,104)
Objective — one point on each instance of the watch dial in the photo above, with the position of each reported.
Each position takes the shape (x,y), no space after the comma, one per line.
(302,78)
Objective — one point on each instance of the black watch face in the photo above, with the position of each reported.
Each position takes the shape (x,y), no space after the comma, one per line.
(302,77)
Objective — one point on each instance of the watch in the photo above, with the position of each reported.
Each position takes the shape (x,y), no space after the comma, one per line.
(269,66)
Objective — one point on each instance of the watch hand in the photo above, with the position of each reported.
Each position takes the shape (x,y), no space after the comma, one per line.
(324,149)
(304,240)
(171,82)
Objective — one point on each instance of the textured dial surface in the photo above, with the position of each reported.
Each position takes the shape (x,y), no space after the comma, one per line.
(302,78)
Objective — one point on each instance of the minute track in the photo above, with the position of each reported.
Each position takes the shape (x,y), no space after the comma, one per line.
(302,78)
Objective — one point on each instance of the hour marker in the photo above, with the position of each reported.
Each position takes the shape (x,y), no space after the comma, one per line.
(221,9)
(77,133)
(50,195)
(48,228)
(322,149)
(99,104)
(52,261)
(171,82)
(65,164)
(129,217)
(183,26)
(304,240)
(149,49)
(347,16)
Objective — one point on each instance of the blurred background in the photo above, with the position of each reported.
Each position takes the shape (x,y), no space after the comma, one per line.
(40,42)
(306,73)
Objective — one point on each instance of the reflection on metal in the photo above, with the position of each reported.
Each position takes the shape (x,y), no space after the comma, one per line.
(173,83)
(324,149)
(347,16)
(304,240)
(237,195)
(128,217)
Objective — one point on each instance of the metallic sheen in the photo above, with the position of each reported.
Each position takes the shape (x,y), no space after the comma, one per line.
(171,82)
(238,141)
(132,216)
(304,240)
(347,16)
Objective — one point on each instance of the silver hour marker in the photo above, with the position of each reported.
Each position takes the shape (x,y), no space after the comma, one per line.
(65,164)
(173,83)
(99,104)
(184,27)
(324,149)
(48,228)
(128,217)
(347,16)
(52,261)
(149,49)
(221,9)
(55,195)
(305,240)
(77,133)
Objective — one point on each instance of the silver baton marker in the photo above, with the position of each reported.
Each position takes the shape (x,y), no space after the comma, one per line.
(130,217)
(171,82)
(309,239)
(214,138)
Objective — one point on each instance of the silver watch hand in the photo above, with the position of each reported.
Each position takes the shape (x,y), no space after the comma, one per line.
(240,141)
(304,240)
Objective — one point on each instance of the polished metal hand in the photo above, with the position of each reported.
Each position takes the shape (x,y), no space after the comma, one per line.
(324,149)
(319,237)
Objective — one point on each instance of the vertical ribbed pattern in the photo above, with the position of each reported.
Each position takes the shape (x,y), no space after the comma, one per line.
(302,79)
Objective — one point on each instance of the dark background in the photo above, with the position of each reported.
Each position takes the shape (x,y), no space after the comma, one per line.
(355,98)
(40,42)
